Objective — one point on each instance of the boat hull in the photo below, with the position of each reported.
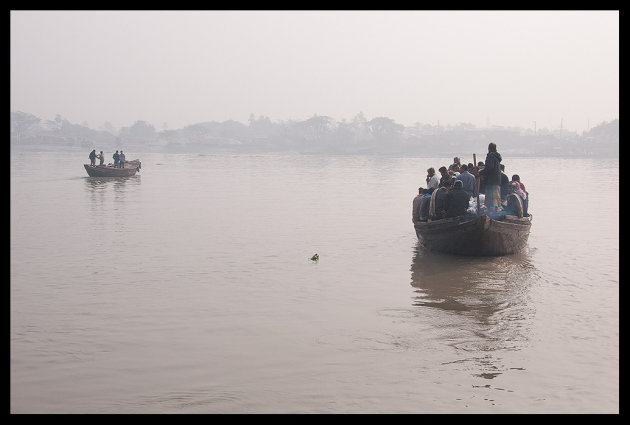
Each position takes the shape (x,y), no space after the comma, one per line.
(105,171)
(481,236)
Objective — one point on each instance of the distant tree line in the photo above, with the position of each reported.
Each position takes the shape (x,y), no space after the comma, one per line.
(318,134)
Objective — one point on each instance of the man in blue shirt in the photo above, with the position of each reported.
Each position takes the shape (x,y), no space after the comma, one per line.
(468,181)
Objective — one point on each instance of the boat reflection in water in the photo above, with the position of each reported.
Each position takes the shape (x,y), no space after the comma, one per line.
(106,192)
(477,305)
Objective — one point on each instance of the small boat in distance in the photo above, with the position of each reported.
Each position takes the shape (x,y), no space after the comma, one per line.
(478,236)
(130,169)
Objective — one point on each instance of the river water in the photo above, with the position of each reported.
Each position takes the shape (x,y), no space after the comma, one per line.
(190,288)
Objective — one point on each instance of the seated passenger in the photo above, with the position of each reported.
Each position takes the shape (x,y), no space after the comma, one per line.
(415,208)
(425,203)
(437,208)
(522,192)
(514,200)
(457,200)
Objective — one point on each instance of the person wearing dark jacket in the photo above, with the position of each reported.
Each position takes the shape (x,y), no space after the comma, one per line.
(505,184)
(457,201)
(437,207)
(492,177)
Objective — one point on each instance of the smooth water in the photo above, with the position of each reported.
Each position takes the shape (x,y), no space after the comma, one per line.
(189,289)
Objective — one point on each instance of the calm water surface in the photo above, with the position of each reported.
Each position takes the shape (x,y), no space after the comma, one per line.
(189,289)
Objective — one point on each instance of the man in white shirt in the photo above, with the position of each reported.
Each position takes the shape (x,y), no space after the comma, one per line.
(432,179)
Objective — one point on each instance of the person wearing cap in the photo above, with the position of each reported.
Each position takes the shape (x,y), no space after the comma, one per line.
(457,200)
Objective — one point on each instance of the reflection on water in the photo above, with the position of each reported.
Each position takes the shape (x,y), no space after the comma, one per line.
(98,183)
(482,303)
(99,186)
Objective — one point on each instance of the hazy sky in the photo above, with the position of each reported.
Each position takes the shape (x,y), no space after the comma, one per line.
(174,68)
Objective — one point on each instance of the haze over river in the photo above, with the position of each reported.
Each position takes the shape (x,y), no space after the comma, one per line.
(189,289)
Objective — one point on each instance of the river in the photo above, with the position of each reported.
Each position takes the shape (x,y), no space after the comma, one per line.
(189,288)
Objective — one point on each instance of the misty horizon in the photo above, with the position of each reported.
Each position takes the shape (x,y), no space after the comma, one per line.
(549,69)
(108,125)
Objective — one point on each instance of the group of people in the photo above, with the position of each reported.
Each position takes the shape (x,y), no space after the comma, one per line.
(450,193)
(119,159)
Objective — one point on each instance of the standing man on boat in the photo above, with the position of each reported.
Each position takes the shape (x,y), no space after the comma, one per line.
(455,165)
(491,174)
(93,158)
(101,158)
(116,157)
(122,159)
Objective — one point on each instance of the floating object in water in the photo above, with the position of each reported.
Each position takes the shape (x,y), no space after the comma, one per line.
(315,257)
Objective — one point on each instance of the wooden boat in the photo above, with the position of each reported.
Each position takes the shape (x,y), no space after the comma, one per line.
(130,169)
(480,235)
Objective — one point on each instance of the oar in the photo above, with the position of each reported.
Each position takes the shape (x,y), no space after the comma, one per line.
(477,179)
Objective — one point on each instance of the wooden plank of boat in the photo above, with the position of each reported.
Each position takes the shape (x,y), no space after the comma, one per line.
(479,236)
(107,171)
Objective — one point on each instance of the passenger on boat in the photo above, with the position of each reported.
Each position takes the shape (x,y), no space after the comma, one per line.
(522,192)
(514,201)
(468,181)
(457,200)
(492,175)
(437,208)
(122,159)
(478,175)
(116,157)
(455,165)
(101,158)
(425,204)
(445,175)
(505,183)
(93,158)
(415,207)
(432,179)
